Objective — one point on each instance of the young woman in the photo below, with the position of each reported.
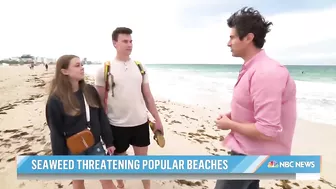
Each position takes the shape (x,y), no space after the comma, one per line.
(74,111)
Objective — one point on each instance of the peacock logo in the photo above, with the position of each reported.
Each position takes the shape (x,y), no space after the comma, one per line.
(272,164)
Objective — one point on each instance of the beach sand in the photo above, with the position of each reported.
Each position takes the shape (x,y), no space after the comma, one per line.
(23,130)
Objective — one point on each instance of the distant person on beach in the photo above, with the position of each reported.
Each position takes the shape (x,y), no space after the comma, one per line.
(128,99)
(73,111)
(46,66)
(31,66)
(263,108)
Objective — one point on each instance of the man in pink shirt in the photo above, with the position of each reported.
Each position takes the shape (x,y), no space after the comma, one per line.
(263,108)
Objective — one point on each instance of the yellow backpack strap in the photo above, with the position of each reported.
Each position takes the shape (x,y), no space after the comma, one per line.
(142,70)
(107,65)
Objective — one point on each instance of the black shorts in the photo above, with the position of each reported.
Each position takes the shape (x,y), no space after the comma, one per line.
(125,136)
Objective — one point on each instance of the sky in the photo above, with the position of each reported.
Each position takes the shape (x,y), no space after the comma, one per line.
(185,31)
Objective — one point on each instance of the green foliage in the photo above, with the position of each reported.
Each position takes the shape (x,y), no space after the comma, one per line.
(11,62)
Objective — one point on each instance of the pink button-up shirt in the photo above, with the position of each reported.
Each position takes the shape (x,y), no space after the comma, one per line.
(264,94)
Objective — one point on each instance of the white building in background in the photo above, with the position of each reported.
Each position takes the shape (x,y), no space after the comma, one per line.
(49,60)
(27,60)
(35,60)
(38,59)
(19,59)
(44,60)
(15,59)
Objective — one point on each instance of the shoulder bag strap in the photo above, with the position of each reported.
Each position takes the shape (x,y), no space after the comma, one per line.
(87,111)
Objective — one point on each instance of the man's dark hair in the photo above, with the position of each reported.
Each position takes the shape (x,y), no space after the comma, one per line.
(248,20)
(120,30)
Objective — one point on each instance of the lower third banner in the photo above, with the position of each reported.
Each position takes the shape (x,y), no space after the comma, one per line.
(216,167)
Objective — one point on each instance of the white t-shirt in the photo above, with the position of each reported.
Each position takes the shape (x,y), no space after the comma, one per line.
(127,107)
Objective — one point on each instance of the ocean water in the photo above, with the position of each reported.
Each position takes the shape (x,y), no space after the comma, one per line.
(212,85)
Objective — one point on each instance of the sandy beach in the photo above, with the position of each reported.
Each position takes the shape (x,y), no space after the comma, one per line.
(23,130)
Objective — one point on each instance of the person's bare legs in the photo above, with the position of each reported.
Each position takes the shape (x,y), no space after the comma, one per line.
(107,184)
(120,183)
(142,151)
(78,184)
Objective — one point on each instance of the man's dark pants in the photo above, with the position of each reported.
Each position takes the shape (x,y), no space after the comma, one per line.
(237,184)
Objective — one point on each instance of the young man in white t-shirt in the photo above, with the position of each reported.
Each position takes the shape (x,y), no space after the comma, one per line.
(128,100)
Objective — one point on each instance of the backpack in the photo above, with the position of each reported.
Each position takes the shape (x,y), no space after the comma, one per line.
(109,78)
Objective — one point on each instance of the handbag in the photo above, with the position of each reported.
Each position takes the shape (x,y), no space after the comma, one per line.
(80,142)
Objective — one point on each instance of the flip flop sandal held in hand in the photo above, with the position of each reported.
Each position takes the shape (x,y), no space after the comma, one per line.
(159,138)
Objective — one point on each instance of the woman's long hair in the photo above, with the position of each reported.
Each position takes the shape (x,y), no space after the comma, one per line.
(61,87)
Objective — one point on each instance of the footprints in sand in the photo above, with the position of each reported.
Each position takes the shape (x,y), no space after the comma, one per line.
(28,100)
(59,185)
(7,107)
(328,183)
(286,184)
(185,116)
(174,122)
(191,183)
(21,141)
(17,133)
(38,82)
(200,135)
(162,108)
(279,184)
